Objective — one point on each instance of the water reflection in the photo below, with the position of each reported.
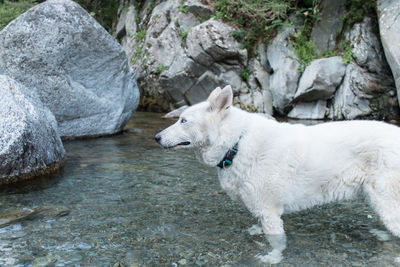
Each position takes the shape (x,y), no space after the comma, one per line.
(123,200)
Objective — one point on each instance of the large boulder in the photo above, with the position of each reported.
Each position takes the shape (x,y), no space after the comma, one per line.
(367,48)
(29,142)
(285,70)
(363,94)
(77,69)
(320,79)
(389,29)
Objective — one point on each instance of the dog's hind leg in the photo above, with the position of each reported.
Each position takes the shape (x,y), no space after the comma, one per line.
(273,229)
(384,196)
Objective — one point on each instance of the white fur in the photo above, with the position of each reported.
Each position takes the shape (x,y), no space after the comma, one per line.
(283,167)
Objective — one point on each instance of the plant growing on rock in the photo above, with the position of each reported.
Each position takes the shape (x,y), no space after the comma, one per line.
(139,38)
(258,19)
(245,74)
(184,34)
(161,68)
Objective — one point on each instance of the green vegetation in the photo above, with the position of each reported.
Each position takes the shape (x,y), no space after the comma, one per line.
(183,35)
(104,11)
(347,53)
(245,74)
(161,68)
(10,10)
(256,19)
(139,38)
(356,10)
(184,9)
(305,50)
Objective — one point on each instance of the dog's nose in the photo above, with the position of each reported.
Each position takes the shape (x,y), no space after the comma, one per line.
(157,138)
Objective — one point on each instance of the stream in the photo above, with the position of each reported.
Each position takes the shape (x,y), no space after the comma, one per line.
(124,201)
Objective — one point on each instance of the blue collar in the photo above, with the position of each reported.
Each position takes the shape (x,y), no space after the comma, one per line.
(229,156)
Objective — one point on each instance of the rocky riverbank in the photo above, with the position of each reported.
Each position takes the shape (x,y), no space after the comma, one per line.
(180,52)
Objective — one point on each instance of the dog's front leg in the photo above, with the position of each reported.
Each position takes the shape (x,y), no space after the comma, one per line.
(273,229)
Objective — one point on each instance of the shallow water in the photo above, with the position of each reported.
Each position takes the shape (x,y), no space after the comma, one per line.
(123,201)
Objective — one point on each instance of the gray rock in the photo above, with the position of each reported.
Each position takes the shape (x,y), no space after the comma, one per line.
(284,62)
(320,79)
(127,29)
(78,70)
(29,142)
(198,9)
(362,94)
(212,41)
(310,110)
(367,49)
(183,60)
(389,29)
(202,88)
(325,30)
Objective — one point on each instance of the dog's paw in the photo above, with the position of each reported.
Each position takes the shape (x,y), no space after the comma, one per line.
(255,230)
(272,258)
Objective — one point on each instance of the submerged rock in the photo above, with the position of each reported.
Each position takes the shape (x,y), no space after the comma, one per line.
(77,69)
(29,141)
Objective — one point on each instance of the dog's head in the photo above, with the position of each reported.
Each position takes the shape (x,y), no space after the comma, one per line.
(197,124)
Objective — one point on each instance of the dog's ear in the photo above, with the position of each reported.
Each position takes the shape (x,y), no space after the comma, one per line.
(220,99)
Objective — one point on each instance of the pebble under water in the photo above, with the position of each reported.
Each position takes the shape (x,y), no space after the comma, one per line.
(124,201)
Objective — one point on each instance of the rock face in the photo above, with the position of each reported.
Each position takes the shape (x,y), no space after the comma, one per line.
(389,28)
(29,142)
(325,30)
(368,88)
(181,53)
(181,59)
(329,88)
(76,68)
(284,63)
(363,94)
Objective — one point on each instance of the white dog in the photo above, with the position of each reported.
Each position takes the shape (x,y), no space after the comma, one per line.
(276,168)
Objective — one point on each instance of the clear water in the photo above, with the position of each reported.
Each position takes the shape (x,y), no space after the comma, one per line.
(123,201)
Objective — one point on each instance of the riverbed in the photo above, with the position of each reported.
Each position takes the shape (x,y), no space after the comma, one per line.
(124,201)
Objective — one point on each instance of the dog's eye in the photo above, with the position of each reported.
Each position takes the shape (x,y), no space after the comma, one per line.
(183,120)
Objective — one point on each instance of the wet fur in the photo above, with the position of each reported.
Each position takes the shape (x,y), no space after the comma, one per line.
(283,167)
